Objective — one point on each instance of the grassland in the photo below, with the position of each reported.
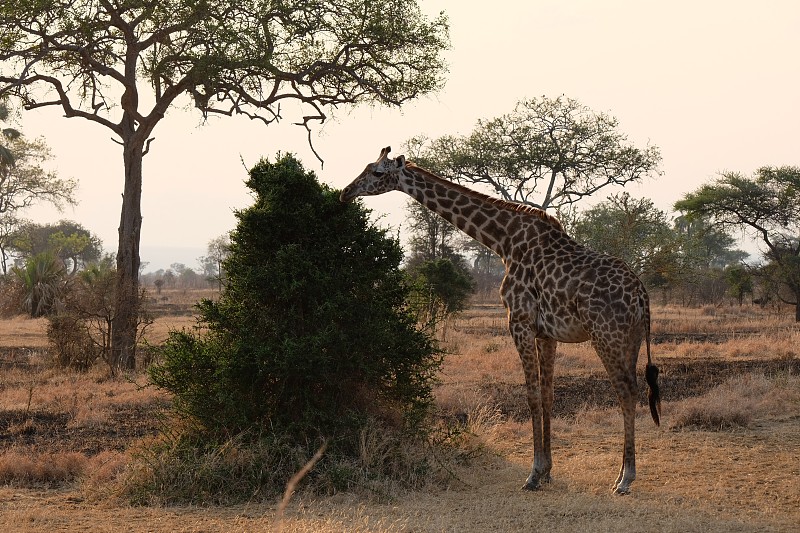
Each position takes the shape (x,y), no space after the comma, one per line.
(727,457)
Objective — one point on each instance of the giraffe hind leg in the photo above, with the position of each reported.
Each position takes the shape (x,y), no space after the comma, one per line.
(627,472)
(621,371)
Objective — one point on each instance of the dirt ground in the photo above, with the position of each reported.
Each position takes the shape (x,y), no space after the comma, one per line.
(703,491)
(741,479)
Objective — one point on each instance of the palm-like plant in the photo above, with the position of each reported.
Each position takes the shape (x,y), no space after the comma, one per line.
(42,277)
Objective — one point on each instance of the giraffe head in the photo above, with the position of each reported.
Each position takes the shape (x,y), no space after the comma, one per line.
(377,178)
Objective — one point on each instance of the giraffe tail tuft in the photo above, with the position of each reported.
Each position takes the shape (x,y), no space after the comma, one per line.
(654,395)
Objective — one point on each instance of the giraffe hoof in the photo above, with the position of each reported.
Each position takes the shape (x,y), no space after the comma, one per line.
(621,490)
(535,483)
(531,485)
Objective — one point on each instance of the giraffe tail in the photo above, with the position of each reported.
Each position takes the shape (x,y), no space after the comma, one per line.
(654,395)
(651,376)
(651,370)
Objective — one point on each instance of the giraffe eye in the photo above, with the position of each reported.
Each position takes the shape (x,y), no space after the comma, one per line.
(378,174)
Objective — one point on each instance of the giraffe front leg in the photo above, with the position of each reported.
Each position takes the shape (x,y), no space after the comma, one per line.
(525,341)
(546,352)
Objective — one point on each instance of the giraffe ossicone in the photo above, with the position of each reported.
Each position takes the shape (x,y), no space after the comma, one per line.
(554,290)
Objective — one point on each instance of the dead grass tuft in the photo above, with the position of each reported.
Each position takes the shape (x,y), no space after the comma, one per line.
(736,403)
(25,468)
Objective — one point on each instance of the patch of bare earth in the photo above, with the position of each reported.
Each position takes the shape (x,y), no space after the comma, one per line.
(740,478)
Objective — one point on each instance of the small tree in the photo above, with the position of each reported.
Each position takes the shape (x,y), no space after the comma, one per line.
(438,272)
(80,329)
(309,337)
(25,182)
(440,289)
(740,281)
(76,246)
(211,264)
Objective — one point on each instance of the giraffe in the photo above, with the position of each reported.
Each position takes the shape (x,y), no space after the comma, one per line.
(554,290)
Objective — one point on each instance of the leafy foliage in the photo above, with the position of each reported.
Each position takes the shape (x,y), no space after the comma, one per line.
(548,153)
(740,281)
(24,181)
(42,278)
(767,204)
(441,289)
(76,246)
(438,273)
(633,230)
(310,337)
(7,159)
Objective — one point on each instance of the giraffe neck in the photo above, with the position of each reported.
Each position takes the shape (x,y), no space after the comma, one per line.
(488,220)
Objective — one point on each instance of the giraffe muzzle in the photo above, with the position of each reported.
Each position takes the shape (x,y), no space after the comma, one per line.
(346,195)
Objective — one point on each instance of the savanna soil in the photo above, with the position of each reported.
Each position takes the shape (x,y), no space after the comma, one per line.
(741,476)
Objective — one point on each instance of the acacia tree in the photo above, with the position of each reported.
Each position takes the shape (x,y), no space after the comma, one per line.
(768,205)
(548,153)
(123,63)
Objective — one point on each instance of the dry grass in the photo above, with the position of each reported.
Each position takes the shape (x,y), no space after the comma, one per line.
(725,320)
(738,402)
(84,396)
(724,460)
(22,333)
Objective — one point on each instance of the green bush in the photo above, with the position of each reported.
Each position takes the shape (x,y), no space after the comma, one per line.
(439,289)
(310,338)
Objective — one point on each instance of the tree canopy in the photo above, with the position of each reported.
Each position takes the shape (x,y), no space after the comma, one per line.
(123,63)
(548,153)
(69,241)
(767,205)
(632,229)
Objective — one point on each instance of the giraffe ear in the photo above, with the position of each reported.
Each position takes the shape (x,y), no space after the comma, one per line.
(400,161)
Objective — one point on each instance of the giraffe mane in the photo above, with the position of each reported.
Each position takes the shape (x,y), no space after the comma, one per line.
(498,202)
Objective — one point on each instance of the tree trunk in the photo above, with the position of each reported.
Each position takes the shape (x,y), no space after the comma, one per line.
(125,322)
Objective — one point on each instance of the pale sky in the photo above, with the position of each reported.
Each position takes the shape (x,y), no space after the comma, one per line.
(713,84)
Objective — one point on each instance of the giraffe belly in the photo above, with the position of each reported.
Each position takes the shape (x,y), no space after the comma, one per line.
(560,329)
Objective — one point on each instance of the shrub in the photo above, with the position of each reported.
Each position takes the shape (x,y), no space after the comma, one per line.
(310,338)
(80,329)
